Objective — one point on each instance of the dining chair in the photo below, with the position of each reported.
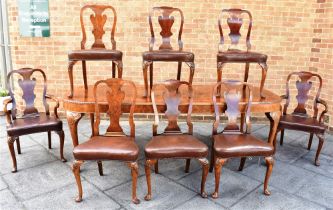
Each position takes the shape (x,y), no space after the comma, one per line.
(173,143)
(114,144)
(31,120)
(98,51)
(233,142)
(299,119)
(235,21)
(165,52)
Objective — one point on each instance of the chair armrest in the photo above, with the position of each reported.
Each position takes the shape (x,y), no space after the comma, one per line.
(53,98)
(320,101)
(6,111)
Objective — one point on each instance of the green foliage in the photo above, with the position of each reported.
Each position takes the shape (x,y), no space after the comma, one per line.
(3,92)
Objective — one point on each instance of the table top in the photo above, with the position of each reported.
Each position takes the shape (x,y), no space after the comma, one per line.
(83,101)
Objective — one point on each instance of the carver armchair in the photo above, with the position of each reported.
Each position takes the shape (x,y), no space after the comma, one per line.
(31,121)
(299,119)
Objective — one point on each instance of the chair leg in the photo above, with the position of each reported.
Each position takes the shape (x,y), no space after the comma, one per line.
(242,163)
(148,164)
(156,167)
(100,167)
(145,75)
(10,141)
(70,75)
(264,68)
(49,139)
(219,77)
(76,172)
(18,145)
(320,146)
(205,168)
(242,121)
(269,163)
(84,74)
(179,72)
(134,171)
(192,68)
(187,166)
(246,74)
(62,141)
(212,158)
(310,141)
(218,167)
(92,117)
(151,77)
(113,70)
(120,68)
(281,137)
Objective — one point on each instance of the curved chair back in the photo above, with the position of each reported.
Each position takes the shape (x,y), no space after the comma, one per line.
(114,94)
(236,94)
(98,20)
(165,21)
(303,87)
(27,83)
(235,22)
(174,99)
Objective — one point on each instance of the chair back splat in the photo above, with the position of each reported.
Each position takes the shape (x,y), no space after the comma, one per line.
(98,20)
(166,22)
(235,23)
(27,85)
(114,95)
(175,99)
(236,95)
(303,87)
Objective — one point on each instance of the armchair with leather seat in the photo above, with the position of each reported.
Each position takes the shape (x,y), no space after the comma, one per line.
(31,121)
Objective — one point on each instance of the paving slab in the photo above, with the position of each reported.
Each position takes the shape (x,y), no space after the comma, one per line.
(25,141)
(233,163)
(289,154)
(284,176)
(319,190)
(27,184)
(115,173)
(233,186)
(63,198)
(277,200)
(307,162)
(175,168)
(30,157)
(199,203)
(8,201)
(165,194)
(3,185)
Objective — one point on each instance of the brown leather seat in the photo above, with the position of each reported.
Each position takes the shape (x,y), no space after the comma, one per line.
(107,148)
(175,146)
(301,123)
(168,55)
(41,123)
(241,56)
(240,145)
(95,54)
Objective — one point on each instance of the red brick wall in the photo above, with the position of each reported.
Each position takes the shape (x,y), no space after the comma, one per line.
(297,35)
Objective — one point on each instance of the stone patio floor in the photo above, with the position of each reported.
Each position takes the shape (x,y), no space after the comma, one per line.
(44,182)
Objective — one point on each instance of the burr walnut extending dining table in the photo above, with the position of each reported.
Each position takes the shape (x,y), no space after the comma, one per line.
(83,102)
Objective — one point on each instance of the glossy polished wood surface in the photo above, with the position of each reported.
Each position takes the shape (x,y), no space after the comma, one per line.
(83,101)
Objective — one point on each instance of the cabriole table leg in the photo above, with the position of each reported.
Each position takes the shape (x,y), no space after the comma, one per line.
(73,119)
